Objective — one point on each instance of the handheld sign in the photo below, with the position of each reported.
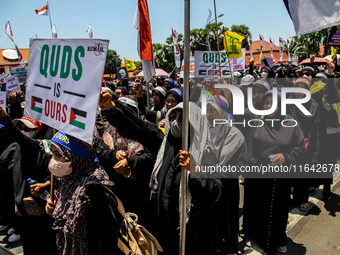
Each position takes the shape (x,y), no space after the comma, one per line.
(13,84)
(3,79)
(122,73)
(206,64)
(63,83)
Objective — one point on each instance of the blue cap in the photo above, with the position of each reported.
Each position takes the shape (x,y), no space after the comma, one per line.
(178,91)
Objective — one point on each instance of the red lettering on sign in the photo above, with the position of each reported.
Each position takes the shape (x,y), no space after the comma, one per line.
(47,107)
(63,119)
(2,101)
(57,117)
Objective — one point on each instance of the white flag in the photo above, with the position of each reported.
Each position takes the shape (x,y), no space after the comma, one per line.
(281,45)
(177,51)
(271,47)
(313,15)
(89,31)
(54,31)
(289,57)
(9,32)
(251,53)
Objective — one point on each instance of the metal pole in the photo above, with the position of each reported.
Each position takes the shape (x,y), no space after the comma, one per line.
(49,14)
(185,131)
(147,96)
(52,188)
(218,43)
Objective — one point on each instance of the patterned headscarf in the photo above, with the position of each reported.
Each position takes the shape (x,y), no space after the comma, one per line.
(70,222)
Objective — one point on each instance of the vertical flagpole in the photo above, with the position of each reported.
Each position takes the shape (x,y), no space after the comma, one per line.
(218,43)
(185,131)
(49,14)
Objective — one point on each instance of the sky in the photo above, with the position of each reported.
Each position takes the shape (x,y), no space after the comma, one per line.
(112,19)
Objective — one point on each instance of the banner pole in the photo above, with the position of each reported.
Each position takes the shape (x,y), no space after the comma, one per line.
(49,14)
(52,188)
(218,42)
(185,131)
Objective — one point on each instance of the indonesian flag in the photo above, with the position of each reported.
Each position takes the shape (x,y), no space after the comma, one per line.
(281,45)
(42,11)
(271,46)
(176,49)
(8,31)
(89,31)
(251,53)
(289,57)
(144,42)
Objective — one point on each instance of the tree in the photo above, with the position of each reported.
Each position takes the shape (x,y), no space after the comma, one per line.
(112,62)
(244,31)
(139,68)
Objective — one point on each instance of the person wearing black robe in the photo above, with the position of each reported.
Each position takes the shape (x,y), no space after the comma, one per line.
(266,201)
(311,128)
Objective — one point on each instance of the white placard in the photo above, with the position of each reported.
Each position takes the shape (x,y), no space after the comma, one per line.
(191,68)
(206,64)
(12,84)
(3,80)
(21,72)
(64,82)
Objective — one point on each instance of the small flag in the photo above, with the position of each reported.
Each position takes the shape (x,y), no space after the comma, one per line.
(271,47)
(202,72)
(42,11)
(251,53)
(144,44)
(54,31)
(233,44)
(89,31)
(75,113)
(176,49)
(9,32)
(288,46)
(261,47)
(281,49)
(34,106)
(130,65)
(225,72)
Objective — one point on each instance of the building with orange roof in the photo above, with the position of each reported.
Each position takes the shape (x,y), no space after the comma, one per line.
(255,47)
(6,64)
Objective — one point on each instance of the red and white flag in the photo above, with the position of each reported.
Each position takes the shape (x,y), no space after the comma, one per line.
(251,53)
(54,31)
(8,31)
(281,45)
(89,31)
(42,11)
(261,46)
(177,51)
(271,47)
(289,57)
(144,42)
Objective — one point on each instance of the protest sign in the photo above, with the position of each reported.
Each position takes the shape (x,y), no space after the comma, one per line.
(12,84)
(270,61)
(3,79)
(122,73)
(64,82)
(240,63)
(206,64)
(191,68)
(334,36)
(21,72)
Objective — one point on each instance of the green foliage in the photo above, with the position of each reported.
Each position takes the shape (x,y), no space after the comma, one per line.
(244,31)
(112,62)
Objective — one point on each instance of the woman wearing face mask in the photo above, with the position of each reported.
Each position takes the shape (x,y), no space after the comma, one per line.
(267,226)
(85,207)
(311,128)
(231,150)
(203,193)
(158,111)
(28,126)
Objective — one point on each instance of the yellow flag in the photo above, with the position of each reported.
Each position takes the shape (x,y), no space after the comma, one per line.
(232,44)
(130,65)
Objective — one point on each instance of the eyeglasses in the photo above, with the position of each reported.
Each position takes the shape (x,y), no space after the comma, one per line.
(174,116)
(170,101)
(305,73)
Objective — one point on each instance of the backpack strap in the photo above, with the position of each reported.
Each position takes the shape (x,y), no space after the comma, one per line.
(120,206)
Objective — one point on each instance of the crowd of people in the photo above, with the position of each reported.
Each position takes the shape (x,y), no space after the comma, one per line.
(137,153)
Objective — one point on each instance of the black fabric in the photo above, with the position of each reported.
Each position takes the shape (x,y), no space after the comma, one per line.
(202,225)
(143,132)
(6,139)
(104,221)
(150,115)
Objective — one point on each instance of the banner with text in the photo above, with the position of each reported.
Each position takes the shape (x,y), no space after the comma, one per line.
(206,64)
(13,84)
(64,82)
(3,79)
(191,68)
(21,72)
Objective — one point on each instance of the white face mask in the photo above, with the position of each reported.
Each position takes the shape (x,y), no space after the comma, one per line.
(30,134)
(264,75)
(60,169)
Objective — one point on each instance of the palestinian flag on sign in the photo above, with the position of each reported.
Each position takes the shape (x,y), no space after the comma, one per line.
(225,72)
(79,115)
(34,106)
(202,72)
